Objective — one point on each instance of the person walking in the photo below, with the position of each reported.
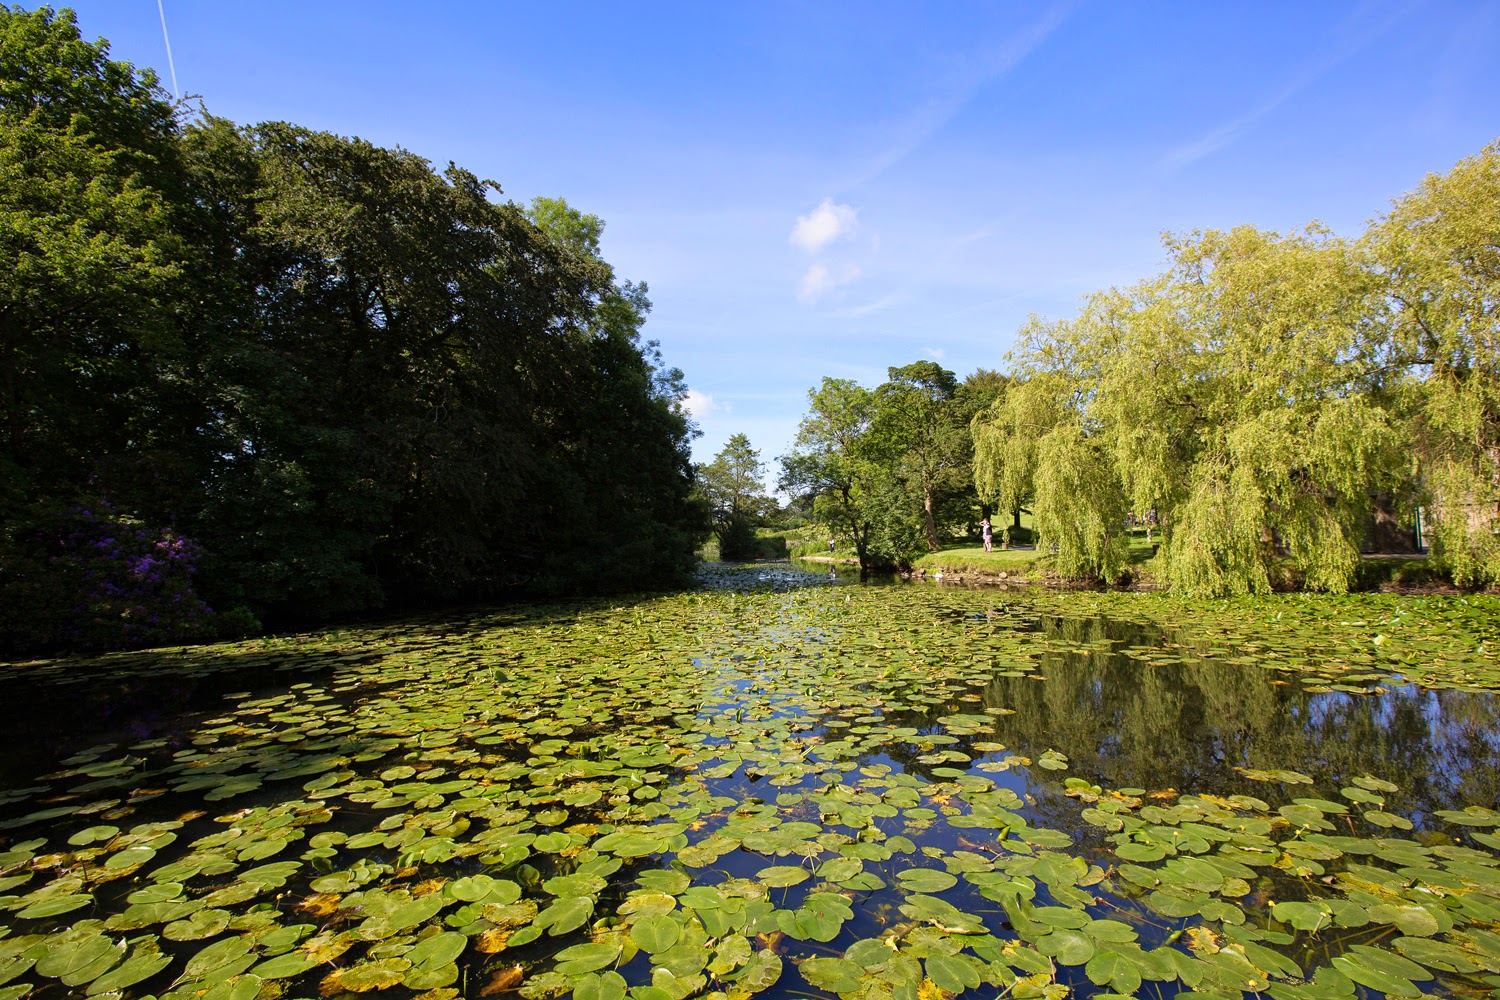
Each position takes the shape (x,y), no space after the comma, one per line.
(988,534)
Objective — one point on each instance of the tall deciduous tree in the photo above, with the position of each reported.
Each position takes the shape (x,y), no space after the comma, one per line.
(1439,251)
(836,461)
(732,486)
(88,252)
(349,378)
(1040,443)
(1238,393)
(924,429)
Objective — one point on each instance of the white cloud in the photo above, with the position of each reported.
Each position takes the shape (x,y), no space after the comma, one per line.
(935,353)
(701,404)
(828,222)
(815,282)
(819,280)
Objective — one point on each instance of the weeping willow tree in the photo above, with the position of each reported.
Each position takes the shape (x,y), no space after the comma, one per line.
(1439,252)
(1042,441)
(1246,398)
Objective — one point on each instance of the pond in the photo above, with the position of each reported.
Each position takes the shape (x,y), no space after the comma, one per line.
(774,786)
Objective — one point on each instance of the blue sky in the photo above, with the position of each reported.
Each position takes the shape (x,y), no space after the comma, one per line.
(818,189)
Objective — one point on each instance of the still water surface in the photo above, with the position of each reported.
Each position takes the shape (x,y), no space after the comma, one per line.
(768,787)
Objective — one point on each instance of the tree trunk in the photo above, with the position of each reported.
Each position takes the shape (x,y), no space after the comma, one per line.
(1388,534)
(930,523)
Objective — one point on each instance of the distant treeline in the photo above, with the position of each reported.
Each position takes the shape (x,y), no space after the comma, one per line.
(274,373)
(1271,403)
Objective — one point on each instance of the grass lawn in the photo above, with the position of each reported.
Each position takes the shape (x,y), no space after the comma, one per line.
(971,558)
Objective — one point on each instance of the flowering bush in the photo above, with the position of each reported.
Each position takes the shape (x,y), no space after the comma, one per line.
(92,578)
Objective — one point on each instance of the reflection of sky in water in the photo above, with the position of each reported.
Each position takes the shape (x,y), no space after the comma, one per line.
(1187,725)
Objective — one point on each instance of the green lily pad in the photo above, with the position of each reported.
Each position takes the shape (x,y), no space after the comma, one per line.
(780,876)
(79,960)
(832,974)
(925,880)
(590,957)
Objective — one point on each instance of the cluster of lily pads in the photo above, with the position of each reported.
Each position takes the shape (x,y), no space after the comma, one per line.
(720,794)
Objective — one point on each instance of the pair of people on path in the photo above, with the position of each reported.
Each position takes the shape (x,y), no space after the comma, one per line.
(988,534)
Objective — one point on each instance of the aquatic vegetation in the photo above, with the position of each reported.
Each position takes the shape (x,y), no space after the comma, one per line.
(765,789)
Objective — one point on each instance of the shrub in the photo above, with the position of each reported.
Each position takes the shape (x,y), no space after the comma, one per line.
(88,577)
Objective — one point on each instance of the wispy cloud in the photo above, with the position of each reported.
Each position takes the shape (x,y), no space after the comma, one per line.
(819,279)
(922,124)
(935,353)
(1360,29)
(869,308)
(828,222)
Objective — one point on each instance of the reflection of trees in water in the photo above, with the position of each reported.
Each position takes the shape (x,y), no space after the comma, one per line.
(1123,723)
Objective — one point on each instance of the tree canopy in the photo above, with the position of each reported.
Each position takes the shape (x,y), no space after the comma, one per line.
(347,379)
(737,500)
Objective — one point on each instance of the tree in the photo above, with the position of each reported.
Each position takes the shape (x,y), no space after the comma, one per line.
(1240,395)
(344,378)
(88,255)
(836,461)
(732,486)
(1438,252)
(924,428)
(1040,443)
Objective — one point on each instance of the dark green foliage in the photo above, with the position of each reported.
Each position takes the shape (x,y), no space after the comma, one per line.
(737,539)
(96,579)
(730,487)
(350,380)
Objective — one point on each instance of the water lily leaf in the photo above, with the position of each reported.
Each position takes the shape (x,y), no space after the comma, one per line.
(1358,969)
(630,845)
(588,957)
(218,956)
(366,976)
(925,880)
(1381,818)
(197,926)
(57,905)
(567,914)
(80,960)
(665,881)
(92,835)
(414,912)
(760,973)
(1141,852)
(592,986)
(1413,920)
(1309,916)
(1444,956)
(1112,969)
(145,961)
(285,966)
(483,889)
(574,885)
(781,876)
(438,950)
(835,975)
(1069,947)
(839,869)
(240,987)
(655,934)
